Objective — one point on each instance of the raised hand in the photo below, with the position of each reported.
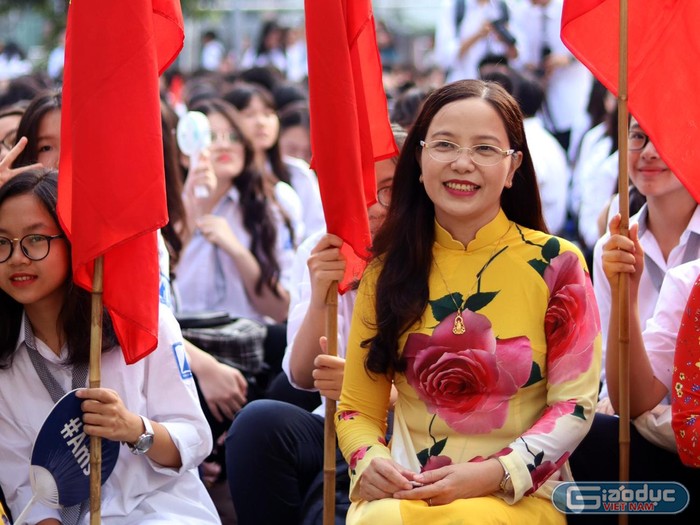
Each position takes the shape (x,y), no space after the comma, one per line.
(6,172)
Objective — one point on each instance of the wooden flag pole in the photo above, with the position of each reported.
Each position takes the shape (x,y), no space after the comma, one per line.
(95,378)
(329,423)
(623,288)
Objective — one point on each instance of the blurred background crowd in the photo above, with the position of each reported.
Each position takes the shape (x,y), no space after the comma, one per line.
(244,66)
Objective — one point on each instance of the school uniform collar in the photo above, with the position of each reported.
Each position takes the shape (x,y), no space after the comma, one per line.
(26,338)
(693,227)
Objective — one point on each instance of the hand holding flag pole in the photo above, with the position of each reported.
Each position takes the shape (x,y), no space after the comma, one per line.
(111,195)
(345,93)
(662,45)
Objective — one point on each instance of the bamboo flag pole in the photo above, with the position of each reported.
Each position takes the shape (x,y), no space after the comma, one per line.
(95,379)
(329,423)
(623,287)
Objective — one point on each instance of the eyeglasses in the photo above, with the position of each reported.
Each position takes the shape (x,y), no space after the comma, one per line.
(637,141)
(225,136)
(384,196)
(481,154)
(34,246)
(8,141)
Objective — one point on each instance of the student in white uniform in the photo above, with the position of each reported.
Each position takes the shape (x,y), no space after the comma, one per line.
(240,253)
(669,233)
(260,124)
(151,405)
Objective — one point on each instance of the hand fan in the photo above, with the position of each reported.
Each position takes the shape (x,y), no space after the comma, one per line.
(193,135)
(60,466)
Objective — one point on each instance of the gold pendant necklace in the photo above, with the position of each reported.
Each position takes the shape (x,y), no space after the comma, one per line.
(458,327)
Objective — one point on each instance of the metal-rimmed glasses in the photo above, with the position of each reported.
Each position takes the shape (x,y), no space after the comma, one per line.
(34,246)
(637,140)
(481,154)
(225,136)
(384,196)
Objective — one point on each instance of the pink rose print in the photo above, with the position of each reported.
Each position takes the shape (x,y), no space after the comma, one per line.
(548,420)
(347,415)
(572,321)
(543,471)
(436,462)
(357,456)
(479,459)
(467,379)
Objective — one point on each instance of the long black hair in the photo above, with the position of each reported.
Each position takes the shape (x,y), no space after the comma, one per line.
(28,126)
(258,219)
(74,318)
(174,178)
(404,243)
(240,96)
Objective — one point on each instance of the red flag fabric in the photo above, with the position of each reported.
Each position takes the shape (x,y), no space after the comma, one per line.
(664,48)
(350,127)
(111,195)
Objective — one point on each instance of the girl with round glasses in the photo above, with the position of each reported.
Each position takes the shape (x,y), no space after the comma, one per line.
(485,324)
(44,351)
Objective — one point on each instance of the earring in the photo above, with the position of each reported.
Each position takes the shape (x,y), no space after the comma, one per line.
(420,178)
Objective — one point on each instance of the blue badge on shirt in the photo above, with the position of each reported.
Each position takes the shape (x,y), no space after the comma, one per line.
(181,360)
(60,467)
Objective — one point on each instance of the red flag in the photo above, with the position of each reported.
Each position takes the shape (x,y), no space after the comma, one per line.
(664,48)
(349,119)
(111,198)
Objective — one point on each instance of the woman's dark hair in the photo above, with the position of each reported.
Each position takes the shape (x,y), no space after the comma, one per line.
(596,103)
(24,88)
(42,104)
(174,177)
(407,105)
(404,243)
(258,219)
(74,318)
(240,96)
(268,27)
(288,94)
(295,114)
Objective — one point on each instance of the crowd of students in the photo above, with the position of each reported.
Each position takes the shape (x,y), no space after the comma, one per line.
(481,351)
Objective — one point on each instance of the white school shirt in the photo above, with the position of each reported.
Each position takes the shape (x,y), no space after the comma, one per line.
(448,38)
(305,184)
(552,171)
(569,87)
(159,387)
(650,283)
(206,277)
(595,148)
(300,298)
(597,187)
(662,328)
